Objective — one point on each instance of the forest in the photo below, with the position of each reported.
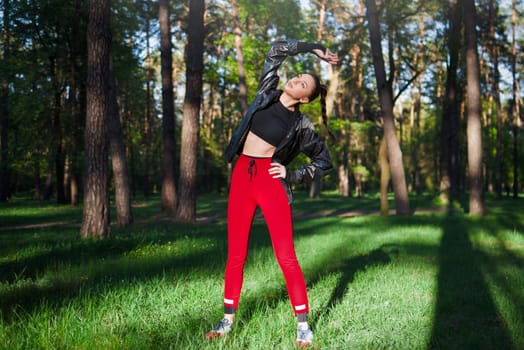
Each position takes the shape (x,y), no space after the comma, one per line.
(106,101)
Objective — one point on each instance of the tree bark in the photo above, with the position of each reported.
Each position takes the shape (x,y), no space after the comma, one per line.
(4,111)
(124,215)
(186,208)
(316,184)
(450,114)
(356,111)
(495,80)
(385,176)
(516,105)
(147,132)
(4,145)
(343,176)
(169,197)
(242,85)
(416,113)
(77,100)
(474,132)
(95,222)
(48,185)
(58,139)
(386,106)
(37,173)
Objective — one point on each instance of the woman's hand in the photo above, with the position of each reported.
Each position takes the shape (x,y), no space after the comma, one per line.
(328,56)
(277,170)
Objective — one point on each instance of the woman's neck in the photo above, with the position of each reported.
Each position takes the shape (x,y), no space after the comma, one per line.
(288,101)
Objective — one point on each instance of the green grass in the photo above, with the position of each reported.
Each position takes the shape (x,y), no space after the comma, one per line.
(427,281)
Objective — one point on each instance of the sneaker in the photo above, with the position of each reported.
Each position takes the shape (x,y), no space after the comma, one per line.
(304,336)
(223,327)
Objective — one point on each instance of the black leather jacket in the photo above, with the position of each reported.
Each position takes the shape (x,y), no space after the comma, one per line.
(301,138)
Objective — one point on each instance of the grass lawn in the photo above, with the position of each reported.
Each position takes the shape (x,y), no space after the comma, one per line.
(426,281)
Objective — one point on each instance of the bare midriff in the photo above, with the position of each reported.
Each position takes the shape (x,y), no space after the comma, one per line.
(256,147)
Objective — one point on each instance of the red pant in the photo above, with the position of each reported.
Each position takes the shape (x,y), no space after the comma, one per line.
(252,186)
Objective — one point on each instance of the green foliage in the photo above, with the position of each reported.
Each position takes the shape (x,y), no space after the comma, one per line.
(268,19)
(361,172)
(45,68)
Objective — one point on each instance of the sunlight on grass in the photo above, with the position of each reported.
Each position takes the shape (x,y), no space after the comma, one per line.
(355,264)
(501,252)
(418,282)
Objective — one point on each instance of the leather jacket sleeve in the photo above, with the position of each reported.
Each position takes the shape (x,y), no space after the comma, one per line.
(277,53)
(312,146)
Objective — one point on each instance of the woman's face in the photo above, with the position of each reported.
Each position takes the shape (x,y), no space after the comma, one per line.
(300,87)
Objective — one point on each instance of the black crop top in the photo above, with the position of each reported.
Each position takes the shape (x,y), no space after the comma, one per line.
(272,123)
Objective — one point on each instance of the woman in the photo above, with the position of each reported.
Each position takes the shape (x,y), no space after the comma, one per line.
(272,133)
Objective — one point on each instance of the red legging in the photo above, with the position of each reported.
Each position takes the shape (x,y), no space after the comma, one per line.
(252,186)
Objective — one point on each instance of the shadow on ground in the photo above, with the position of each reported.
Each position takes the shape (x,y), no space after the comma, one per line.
(466,316)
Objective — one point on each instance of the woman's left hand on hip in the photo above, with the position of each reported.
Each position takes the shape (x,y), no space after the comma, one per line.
(277,170)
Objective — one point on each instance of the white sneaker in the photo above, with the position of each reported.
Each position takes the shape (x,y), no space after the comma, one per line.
(304,336)
(223,327)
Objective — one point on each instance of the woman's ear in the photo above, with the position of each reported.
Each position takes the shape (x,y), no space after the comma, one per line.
(304,100)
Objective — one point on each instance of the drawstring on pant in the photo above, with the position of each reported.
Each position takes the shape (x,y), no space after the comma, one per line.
(252,164)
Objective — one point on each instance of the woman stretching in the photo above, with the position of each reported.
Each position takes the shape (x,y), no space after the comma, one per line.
(272,133)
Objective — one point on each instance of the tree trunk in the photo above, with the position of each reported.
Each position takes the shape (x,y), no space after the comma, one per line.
(386,106)
(4,145)
(147,132)
(124,216)
(516,105)
(474,132)
(385,176)
(356,111)
(242,85)
(58,139)
(95,222)
(358,74)
(316,184)
(450,114)
(343,177)
(168,116)
(36,168)
(4,111)
(186,208)
(77,97)
(72,185)
(416,113)
(494,53)
(76,145)
(48,185)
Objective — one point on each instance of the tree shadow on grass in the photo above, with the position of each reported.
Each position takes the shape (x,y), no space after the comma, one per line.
(508,214)
(466,316)
(348,268)
(83,266)
(55,291)
(33,253)
(504,269)
(47,250)
(46,256)
(77,266)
